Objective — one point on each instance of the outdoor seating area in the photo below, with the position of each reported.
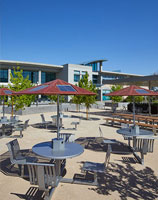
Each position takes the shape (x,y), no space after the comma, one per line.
(8,126)
(143,121)
(79,100)
(103,153)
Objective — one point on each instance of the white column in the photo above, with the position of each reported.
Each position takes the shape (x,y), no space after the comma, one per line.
(9,72)
(100,68)
(39,76)
(39,80)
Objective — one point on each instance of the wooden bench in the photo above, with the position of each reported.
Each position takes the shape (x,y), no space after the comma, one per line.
(144,118)
(117,120)
(154,127)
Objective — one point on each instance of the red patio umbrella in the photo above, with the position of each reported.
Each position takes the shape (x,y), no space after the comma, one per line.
(5,92)
(132,90)
(56,87)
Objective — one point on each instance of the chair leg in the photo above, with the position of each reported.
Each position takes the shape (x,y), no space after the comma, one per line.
(75,126)
(21,135)
(95,178)
(142,158)
(47,197)
(21,168)
(49,194)
(154,131)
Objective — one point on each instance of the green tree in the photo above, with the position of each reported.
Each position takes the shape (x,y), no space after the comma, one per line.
(18,82)
(54,98)
(77,99)
(115,99)
(88,100)
(137,99)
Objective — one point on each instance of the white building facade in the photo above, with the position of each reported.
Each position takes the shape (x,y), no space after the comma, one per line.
(40,73)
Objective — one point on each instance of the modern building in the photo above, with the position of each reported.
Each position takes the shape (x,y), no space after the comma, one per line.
(40,73)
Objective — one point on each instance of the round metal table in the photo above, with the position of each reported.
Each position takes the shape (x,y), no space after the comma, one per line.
(127,132)
(131,134)
(44,149)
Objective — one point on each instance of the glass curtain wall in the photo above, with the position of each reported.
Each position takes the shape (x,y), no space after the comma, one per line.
(47,76)
(3,75)
(76,76)
(33,75)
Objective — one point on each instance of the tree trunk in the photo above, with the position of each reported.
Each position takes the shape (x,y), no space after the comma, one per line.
(12,108)
(77,107)
(87,113)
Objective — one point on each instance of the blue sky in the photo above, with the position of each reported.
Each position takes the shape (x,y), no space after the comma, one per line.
(125,32)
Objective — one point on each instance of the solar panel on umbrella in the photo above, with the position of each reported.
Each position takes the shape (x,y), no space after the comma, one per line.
(141,91)
(7,92)
(66,88)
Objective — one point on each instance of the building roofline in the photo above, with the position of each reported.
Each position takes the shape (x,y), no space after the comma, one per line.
(29,64)
(119,73)
(93,61)
(144,80)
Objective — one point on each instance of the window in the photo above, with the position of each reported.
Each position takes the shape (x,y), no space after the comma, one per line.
(33,76)
(76,76)
(83,73)
(105,98)
(47,76)
(4,75)
(94,67)
(95,79)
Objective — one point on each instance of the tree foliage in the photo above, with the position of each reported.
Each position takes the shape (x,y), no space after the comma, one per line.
(137,99)
(88,100)
(116,99)
(77,99)
(18,82)
(54,98)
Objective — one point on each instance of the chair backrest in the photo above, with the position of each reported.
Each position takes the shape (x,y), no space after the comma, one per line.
(14,150)
(26,124)
(100,131)
(43,175)
(123,125)
(107,157)
(67,137)
(144,145)
(43,118)
(4,119)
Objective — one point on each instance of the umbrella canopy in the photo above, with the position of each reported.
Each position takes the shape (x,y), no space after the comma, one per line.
(5,92)
(56,87)
(132,90)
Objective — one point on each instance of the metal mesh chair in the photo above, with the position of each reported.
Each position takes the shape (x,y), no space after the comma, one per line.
(144,145)
(21,127)
(16,156)
(43,175)
(97,167)
(44,122)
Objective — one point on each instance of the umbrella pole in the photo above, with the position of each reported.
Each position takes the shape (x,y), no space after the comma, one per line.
(3,107)
(149,106)
(58,129)
(12,106)
(133,110)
